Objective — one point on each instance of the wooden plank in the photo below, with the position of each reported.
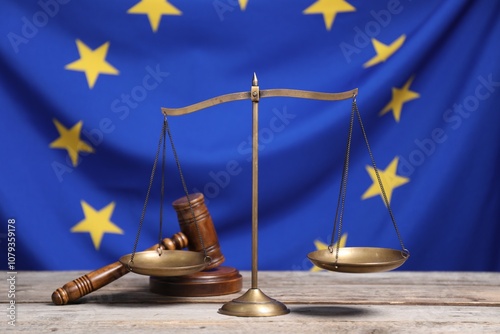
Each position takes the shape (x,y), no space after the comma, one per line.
(296,287)
(203,318)
(434,302)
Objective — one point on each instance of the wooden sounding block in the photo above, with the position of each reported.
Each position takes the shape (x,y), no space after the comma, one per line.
(213,282)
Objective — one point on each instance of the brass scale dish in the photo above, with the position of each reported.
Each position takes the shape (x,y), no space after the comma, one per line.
(254,302)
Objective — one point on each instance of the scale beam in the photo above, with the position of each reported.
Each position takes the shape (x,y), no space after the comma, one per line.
(301,94)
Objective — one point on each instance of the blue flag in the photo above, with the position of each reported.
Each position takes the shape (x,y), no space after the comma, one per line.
(83,84)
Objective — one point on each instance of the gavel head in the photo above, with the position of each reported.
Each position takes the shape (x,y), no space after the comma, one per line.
(196,223)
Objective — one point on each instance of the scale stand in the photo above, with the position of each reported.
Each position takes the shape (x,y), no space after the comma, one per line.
(255,303)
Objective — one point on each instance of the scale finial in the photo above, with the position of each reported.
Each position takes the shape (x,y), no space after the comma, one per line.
(255,82)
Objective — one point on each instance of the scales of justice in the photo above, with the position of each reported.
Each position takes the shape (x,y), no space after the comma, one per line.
(197,271)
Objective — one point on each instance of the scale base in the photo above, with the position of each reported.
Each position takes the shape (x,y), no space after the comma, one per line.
(213,282)
(254,303)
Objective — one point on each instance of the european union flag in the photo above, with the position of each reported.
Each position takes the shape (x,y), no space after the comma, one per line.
(83,83)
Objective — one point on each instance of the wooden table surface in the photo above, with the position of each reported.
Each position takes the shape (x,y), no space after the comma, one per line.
(320,302)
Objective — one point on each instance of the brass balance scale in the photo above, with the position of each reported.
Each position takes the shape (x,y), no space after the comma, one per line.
(254,303)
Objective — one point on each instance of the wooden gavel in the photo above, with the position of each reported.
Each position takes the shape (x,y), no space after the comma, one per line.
(197,233)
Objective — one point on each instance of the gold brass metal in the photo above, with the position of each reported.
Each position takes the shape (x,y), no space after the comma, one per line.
(301,94)
(169,263)
(359,259)
(254,303)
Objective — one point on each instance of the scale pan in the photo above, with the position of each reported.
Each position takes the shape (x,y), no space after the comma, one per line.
(359,259)
(169,263)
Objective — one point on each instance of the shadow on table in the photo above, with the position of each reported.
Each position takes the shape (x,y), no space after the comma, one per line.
(330,311)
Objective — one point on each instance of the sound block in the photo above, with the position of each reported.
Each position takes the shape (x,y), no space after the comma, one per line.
(213,282)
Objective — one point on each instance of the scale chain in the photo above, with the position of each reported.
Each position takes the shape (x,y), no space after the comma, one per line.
(343,189)
(386,201)
(207,258)
(141,220)
(162,189)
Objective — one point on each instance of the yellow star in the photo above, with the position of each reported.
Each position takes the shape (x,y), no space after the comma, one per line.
(321,245)
(329,9)
(97,223)
(384,51)
(154,9)
(399,97)
(92,62)
(243,4)
(389,181)
(70,141)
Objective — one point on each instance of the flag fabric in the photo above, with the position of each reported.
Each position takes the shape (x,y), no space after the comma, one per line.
(83,83)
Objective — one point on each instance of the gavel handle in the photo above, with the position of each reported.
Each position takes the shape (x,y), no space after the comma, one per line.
(95,280)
